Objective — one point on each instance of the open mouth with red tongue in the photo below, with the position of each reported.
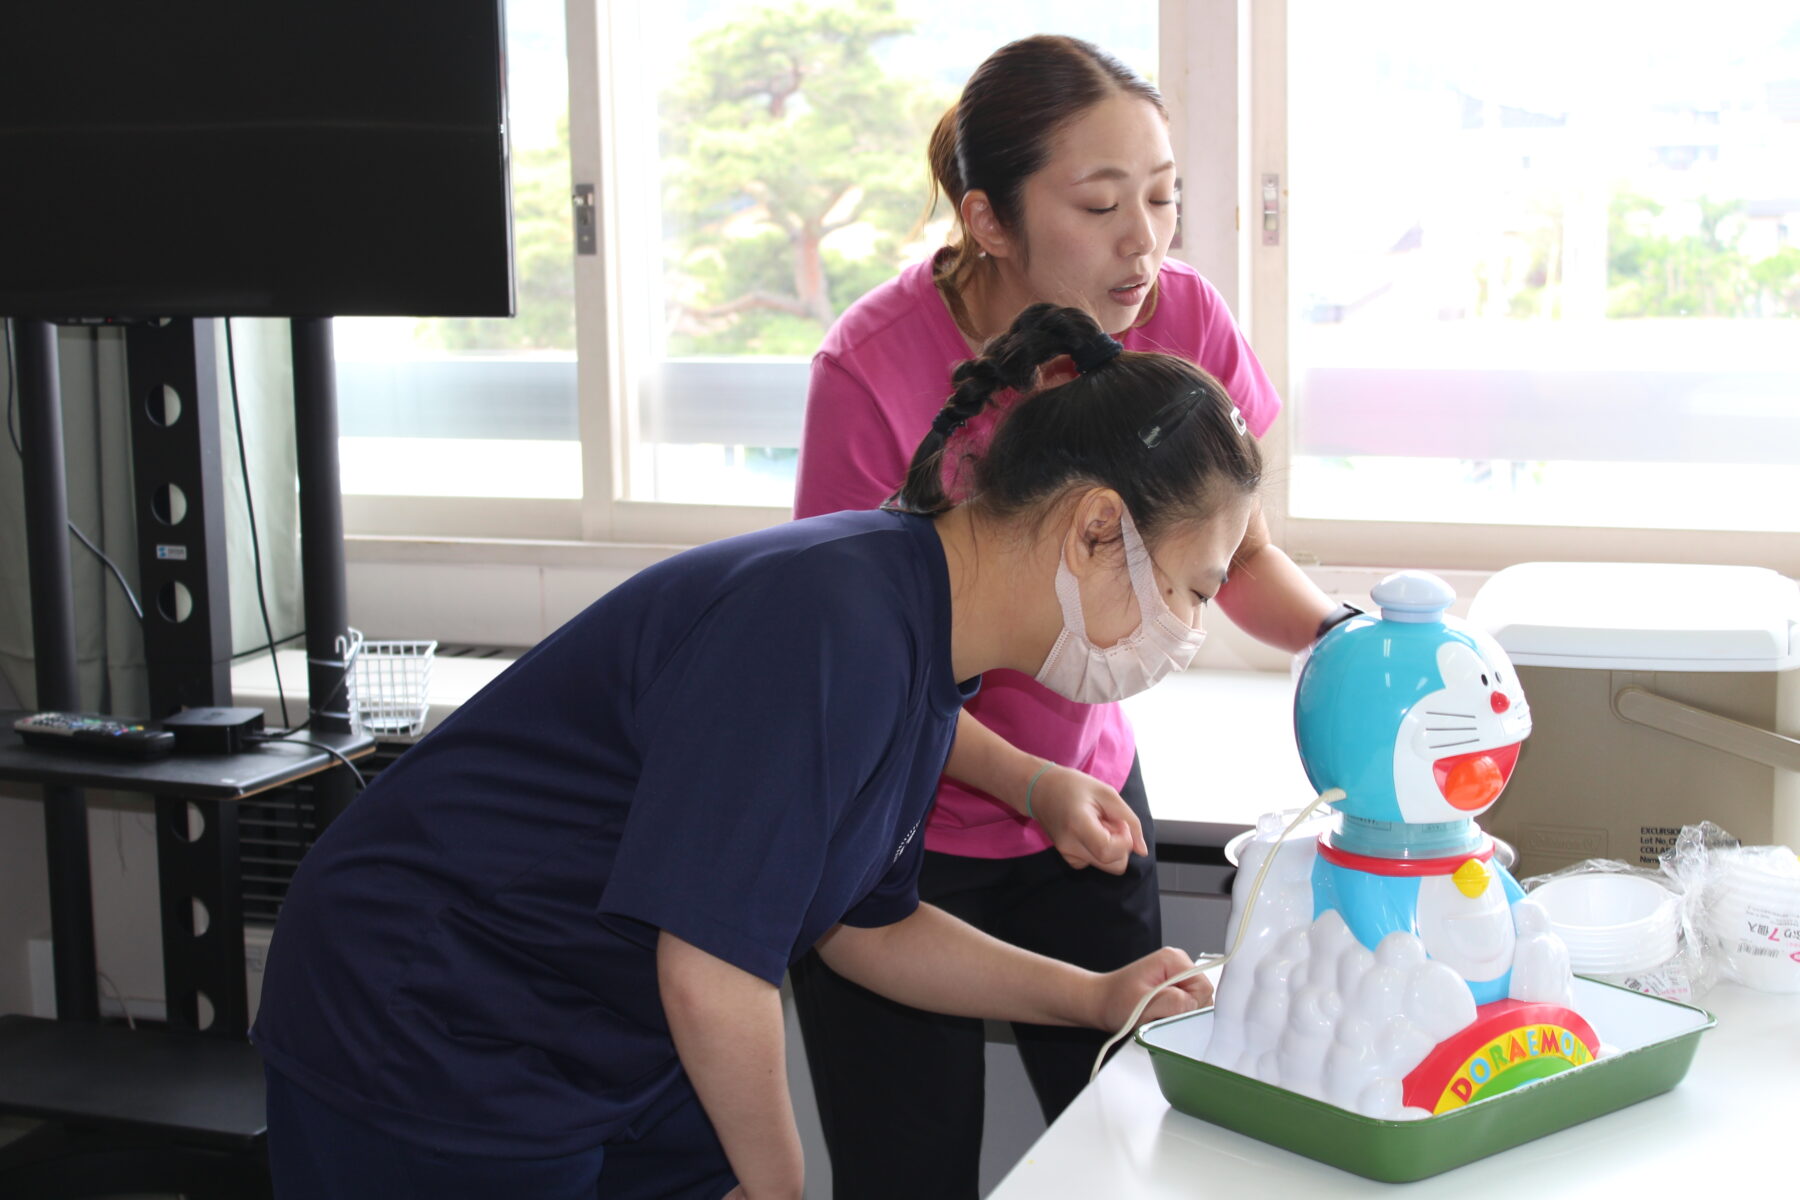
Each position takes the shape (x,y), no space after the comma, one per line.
(1472,781)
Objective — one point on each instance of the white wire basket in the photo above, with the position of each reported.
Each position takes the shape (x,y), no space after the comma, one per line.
(390,686)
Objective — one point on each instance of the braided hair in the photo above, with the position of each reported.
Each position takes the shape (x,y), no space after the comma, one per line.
(1154,428)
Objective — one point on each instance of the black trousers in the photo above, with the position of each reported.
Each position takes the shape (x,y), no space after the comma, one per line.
(900,1089)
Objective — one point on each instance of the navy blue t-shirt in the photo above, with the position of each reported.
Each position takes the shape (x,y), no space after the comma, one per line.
(737,745)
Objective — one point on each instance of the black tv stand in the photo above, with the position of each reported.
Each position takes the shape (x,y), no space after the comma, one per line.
(180,1108)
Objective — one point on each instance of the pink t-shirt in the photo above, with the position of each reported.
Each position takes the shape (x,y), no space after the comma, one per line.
(878,380)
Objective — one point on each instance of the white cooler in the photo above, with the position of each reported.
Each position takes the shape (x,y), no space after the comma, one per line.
(1661,695)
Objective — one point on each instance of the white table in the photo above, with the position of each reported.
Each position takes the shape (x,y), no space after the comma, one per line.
(1732,1121)
(1217,749)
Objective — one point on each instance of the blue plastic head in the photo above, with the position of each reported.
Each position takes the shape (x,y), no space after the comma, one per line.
(1417,715)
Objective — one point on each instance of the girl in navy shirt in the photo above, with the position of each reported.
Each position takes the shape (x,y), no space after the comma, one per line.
(540,955)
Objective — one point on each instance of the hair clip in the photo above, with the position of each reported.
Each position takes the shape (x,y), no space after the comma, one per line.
(1096,353)
(1238,423)
(1168,417)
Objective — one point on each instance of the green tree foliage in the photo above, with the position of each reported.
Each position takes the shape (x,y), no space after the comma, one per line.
(785,129)
(1654,273)
(1777,280)
(1541,292)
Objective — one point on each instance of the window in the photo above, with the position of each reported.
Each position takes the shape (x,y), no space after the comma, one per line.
(781,154)
(654,390)
(483,408)
(1532,278)
(1540,273)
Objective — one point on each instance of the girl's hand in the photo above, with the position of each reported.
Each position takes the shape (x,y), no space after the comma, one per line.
(727,1027)
(1121,990)
(1090,823)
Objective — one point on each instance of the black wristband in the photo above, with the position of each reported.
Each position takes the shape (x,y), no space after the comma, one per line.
(1336,617)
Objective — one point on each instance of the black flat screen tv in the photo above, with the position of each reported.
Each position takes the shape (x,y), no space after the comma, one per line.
(171,158)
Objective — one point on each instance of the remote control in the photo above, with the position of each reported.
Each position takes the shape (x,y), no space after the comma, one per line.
(76,731)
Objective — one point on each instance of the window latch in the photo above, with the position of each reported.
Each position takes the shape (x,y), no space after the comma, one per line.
(1271,210)
(585,223)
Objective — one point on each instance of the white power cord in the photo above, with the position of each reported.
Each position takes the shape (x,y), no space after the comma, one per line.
(118,996)
(1207,962)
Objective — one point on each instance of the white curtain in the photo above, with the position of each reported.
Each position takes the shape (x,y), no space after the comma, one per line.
(97,447)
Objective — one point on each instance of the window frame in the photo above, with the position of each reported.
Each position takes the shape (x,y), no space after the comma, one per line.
(608,418)
(604,515)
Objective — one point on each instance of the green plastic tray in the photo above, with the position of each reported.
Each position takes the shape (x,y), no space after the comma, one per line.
(1655,1040)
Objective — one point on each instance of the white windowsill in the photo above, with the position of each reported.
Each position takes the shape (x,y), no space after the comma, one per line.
(1216,742)
(1216,745)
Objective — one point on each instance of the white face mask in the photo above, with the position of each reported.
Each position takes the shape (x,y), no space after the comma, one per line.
(1081,671)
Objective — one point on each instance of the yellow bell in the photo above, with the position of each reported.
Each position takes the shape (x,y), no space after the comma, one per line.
(1471,878)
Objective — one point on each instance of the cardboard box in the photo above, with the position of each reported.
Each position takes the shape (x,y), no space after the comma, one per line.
(1661,695)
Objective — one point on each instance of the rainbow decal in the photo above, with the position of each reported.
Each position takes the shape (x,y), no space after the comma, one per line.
(1509,1044)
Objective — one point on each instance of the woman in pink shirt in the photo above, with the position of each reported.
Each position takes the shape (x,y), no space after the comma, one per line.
(1058,163)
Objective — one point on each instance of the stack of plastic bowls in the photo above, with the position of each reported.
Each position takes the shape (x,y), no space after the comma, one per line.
(1617,926)
(1755,915)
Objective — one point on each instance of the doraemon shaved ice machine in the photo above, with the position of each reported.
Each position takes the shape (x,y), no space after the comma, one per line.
(1391,966)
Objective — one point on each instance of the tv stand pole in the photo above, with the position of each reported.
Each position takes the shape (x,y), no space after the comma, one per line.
(53,647)
(322,546)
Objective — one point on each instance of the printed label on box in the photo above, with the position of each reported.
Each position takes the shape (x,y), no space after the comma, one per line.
(1653,841)
(1564,841)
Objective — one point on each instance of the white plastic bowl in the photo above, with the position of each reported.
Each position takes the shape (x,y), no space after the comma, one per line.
(1755,915)
(1613,924)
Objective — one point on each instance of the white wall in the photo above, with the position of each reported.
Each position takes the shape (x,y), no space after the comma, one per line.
(127,927)
(513,594)
(24,890)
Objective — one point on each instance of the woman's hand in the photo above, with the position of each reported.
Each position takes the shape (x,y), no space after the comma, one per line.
(1090,823)
(1087,820)
(1120,990)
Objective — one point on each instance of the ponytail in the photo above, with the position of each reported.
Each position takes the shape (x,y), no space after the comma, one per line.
(946,172)
(1154,428)
(946,175)
(1041,334)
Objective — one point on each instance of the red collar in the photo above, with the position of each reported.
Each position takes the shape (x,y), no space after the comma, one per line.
(1370,865)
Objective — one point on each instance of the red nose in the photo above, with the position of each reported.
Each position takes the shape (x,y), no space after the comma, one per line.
(1499,701)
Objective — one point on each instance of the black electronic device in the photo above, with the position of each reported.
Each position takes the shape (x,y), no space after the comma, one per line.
(214,730)
(86,732)
(224,158)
